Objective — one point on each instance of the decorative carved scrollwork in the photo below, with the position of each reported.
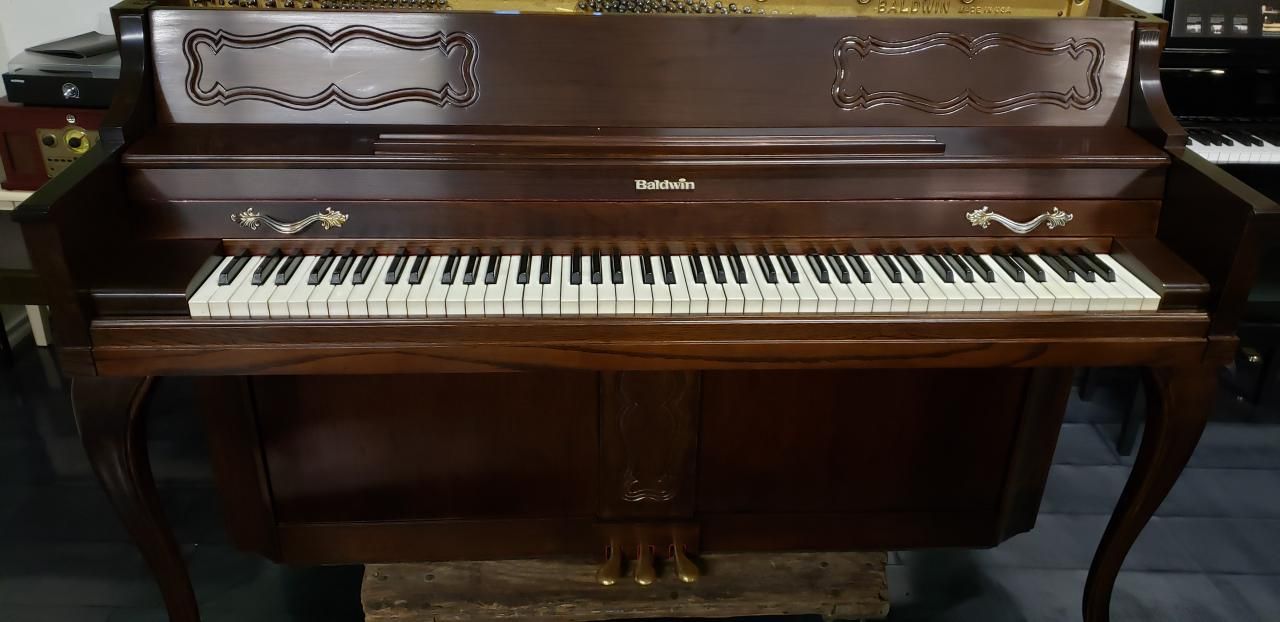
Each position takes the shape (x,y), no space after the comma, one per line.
(851,91)
(200,41)
(655,423)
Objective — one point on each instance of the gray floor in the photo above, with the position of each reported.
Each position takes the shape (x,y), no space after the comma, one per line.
(1213,552)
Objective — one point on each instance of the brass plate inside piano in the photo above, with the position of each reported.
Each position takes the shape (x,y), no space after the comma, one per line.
(744,8)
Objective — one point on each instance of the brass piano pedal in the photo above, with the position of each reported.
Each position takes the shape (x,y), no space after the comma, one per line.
(611,570)
(686,568)
(646,574)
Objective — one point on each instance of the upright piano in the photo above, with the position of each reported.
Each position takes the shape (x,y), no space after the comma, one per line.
(635,281)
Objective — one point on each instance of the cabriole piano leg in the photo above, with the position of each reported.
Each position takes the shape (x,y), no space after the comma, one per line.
(1178,404)
(108,413)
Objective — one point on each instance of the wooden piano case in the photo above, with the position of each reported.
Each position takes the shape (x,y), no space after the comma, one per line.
(379,440)
(478,466)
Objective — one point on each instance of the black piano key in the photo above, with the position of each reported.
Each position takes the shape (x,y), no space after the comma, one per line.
(1056,264)
(450,272)
(1100,268)
(619,275)
(397,266)
(668,269)
(472,272)
(1011,267)
(266,267)
(522,269)
(321,268)
(234,268)
(290,267)
(597,268)
(961,268)
(980,265)
(819,267)
(838,265)
(1080,266)
(766,265)
(889,266)
(941,267)
(717,268)
(491,270)
(788,268)
(739,268)
(910,266)
(575,268)
(1029,266)
(859,267)
(345,264)
(544,270)
(646,268)
(364,267)
(419,269)
(695,262)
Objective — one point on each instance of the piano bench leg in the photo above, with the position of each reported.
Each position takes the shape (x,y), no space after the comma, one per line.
(1178,404)
(108,412)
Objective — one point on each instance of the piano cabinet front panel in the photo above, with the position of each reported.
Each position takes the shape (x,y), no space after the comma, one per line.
(398,468)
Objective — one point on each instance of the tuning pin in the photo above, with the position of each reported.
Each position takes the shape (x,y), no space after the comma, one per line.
(611,570)
(645,572)
(686,569)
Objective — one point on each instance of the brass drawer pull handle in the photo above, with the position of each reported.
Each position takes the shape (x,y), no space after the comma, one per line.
(983,217)
(329,219)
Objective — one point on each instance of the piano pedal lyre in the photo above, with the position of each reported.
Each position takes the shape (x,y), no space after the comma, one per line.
(611,570)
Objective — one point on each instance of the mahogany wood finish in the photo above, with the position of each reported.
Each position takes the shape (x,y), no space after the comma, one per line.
(109,415)
(353,441)
(1179,402)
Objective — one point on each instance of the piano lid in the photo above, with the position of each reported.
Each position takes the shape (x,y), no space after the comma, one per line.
(810,8)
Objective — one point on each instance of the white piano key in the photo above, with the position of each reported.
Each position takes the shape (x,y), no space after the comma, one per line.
(570,294)
(278,304)
(786,289)
(318,301)
(919,297)
(551,296)
(398,297)
(474,304)
(438,293)
(882,301)
(198,304)
(660,290)
(532,304)
(994,298)
(1128,298)
(680,301)
(297,303)
(416,300)
(495,294)
(358,301)
(219,302)
(588,291)
(824,296)
(770,296)
(606,291)
(641,291)
(735,299)
(939,301)
(624,296)
(697,291)
(717,302)
(513,294)
(895,293)
(455,298)
(377,298)
(1150,300)
(957,301)
(259,308)
(238,304)
(1061,288)
(341,292)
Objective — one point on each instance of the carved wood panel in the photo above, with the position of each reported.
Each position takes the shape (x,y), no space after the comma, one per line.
(648,442)
(872,71)
(305,67)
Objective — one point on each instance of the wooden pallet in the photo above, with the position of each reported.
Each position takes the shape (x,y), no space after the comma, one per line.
(838,586)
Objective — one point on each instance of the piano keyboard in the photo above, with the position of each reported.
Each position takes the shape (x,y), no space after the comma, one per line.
(603,283)
(1235,145)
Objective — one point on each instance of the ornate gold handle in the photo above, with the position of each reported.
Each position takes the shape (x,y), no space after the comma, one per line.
(250,219)
(983,217)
